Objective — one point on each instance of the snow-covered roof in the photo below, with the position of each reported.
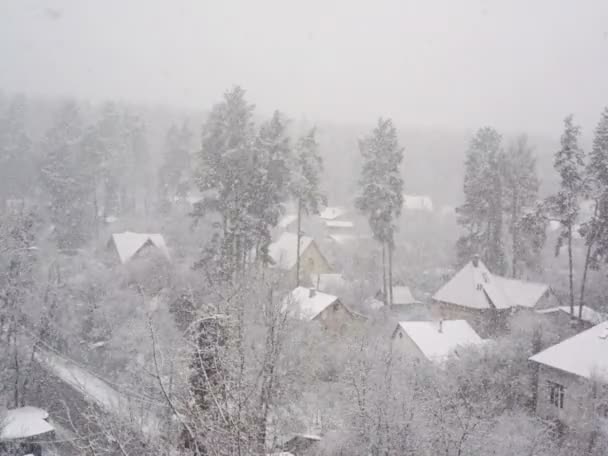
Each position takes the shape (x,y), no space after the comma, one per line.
(305,304)
(476,287)
(129,243)
(284,251)
(402,295)
(24,422)
(331,213)
(589,315)
(439,339)
(322,282)
(585,354)
(92,387)
(287,220)
(339,224)
(417,202)
(344,238)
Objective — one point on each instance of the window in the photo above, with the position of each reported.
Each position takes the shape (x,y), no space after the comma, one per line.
(479,287)
(485,277)
(400,335)
(556,394)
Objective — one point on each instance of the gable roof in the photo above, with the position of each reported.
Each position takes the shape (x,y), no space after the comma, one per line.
(402,296)
(585,354)
(24,422)
(332,212)
(322,282)
(284,251)
(305,304)
(476,287)
(439,339)
(339,224)
(589,315)
(94,388)
(128,244)
(417,202)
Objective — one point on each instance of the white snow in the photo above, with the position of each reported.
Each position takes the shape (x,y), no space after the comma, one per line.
(323,282)
(287,220)
(589,315)
(403,296)
(129,243)
(93,387)
(439,339)
(585,354)
(331,213)
(338,224)
(24,422)
(343,238)
(305,304)
(476,287)
(417,202)
(284,250)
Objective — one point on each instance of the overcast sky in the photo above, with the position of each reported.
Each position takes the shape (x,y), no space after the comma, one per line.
(514,64)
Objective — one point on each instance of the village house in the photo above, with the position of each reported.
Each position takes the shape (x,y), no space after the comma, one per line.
(434,341)
(328,282)
(284,255)
(417,203)
(130,245)
(308,304)
(486,300)
(24,430)
(80,401)
(561,316)
(573,379)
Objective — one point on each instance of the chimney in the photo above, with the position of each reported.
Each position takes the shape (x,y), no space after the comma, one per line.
(475,260)
(441,326)
(312,292)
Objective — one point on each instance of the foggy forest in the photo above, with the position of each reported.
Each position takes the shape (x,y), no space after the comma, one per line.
(303,228)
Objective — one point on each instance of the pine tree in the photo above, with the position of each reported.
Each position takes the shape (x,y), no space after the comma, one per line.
(223,174)
(381,197)
(269,182)
(305,184)
(520,193)
(67,187)
(569,163)
(15,150)
(482,212)
(595,230)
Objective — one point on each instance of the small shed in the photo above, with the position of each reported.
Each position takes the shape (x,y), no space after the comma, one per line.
(129,245)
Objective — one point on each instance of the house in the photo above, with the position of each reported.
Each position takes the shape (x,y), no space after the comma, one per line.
(486,300)
(72,394)
(333,213)
(284,255)
(573,378)
(22,430)
(417,203)
(301,444)
(328,282)
(308,304)
(288,222)
(129,245)
(561,315)
(402,296)
(434,341)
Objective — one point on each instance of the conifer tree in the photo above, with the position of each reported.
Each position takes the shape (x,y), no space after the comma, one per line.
(482,212)
(67,185)
(520,193)
(595,230)
(381,197)
(569,163)
(224,173)
(305,184)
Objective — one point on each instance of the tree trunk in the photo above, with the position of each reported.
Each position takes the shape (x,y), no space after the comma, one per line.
(384,296)
(570,270)
(390,274)
(590,244)
(298,241)
(514,235)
